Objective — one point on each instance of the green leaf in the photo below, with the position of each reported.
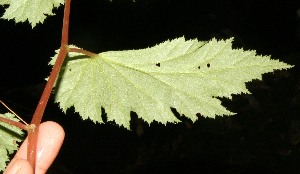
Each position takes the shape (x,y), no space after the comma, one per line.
(186,75)
(35,11)
(9,136)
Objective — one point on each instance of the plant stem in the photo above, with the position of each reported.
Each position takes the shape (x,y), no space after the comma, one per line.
(38,114)
(85,52)
(14,123)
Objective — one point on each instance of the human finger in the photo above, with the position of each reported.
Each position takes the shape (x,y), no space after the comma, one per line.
(51,136)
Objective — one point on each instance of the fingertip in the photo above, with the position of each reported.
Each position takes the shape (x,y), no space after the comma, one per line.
(53,128)
(19,166)
(51,137)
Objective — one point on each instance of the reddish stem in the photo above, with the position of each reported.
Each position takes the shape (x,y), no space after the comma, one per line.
(85,52)
(14,123)
(38,114)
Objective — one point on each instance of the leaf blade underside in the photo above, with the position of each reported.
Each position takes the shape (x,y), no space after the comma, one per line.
(186,75)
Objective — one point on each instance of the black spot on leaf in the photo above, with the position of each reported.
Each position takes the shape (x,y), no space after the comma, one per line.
(158,64)
(208,65)
(198,67)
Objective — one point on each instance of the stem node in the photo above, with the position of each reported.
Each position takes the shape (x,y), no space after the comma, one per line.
(30,127)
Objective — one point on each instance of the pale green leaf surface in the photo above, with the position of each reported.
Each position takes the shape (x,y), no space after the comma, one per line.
(4,2)
(186,75)
(9,135)
(35,11)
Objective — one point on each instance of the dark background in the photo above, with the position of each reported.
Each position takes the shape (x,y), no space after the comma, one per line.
(263,137)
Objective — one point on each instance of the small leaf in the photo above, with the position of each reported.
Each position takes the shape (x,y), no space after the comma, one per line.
(9,136)
(35,11)
(186,75)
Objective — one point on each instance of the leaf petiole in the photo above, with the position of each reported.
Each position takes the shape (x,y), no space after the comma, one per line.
(14,123)
(85,52)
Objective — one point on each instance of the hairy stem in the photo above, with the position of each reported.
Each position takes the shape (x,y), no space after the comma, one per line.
(38,114)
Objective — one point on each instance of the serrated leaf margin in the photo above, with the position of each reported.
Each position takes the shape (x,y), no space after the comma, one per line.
(8,142)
